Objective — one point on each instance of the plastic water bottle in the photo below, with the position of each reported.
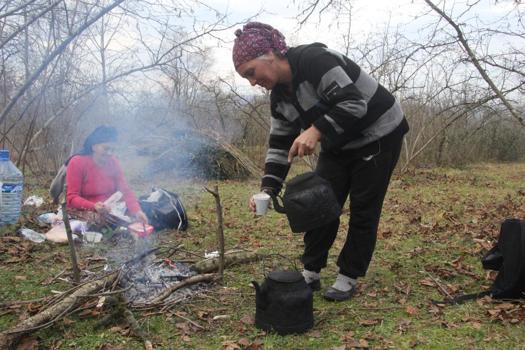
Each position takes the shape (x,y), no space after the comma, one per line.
(12,183)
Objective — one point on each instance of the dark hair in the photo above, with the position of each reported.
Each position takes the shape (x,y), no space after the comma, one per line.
(102,134)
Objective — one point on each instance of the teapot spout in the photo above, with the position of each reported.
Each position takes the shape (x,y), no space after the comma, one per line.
(257,287)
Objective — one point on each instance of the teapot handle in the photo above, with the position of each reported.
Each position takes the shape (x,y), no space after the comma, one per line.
(257,287)
(260,296)
(276,205)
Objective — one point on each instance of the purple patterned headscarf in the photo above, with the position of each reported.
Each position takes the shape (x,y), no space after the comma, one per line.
(256,39)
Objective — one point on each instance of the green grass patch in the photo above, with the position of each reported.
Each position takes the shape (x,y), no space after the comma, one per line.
(431,237)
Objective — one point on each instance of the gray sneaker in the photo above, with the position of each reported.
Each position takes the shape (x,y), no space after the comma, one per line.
(332,294)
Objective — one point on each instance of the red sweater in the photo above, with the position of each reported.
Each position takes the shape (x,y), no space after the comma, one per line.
(89,183)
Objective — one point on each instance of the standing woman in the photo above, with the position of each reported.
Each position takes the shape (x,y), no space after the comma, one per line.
(320,95)
(93,175)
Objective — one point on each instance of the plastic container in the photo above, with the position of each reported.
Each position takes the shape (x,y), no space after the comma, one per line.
(12,183)
(92,237)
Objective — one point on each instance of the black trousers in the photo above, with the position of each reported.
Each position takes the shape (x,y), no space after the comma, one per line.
(364,175)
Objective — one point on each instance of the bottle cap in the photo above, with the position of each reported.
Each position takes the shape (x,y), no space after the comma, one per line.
(4,154)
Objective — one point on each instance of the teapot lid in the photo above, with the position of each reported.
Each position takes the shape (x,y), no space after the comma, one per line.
(285,276)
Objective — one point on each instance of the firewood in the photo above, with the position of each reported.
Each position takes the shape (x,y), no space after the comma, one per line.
(188,281)
(209,265)
(45,318)
(220,229)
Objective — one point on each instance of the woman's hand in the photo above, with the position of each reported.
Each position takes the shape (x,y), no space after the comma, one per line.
(251,204)
(101,208)
(141,217)
(305,143)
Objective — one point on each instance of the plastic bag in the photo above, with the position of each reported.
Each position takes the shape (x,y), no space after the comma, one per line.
(48,218)
(164,209)
(31,235)
(34,201)
(117,207)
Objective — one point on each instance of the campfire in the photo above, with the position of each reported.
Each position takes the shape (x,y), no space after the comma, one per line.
(135,275)
(146,281)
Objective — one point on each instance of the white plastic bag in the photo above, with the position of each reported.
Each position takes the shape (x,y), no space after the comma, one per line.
(31,235)
(34,201)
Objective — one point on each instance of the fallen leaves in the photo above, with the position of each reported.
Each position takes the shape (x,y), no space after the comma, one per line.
(243,344)
(110,347)
(27,343)
(248,319)
(428,282)
(15,249)
(507,312)
(412,310)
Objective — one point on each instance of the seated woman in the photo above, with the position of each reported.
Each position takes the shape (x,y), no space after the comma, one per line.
(93,175)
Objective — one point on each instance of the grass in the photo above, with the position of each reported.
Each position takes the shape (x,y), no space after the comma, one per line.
(436,224)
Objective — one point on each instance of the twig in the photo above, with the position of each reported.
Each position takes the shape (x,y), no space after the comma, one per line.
(440,286)
(190,321)
(76,270)
(191,280)
(53,279)
(200,256)
(378,308)
(140,257)
(105,293)
(45,325)
(220,228)
(21,302)
(174,250)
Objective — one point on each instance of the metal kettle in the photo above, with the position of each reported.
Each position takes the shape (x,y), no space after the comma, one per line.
(284,303)
(309,202)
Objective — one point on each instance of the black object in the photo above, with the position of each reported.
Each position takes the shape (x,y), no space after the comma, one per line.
(493,259)
(309,202)
(510,281)
(507,257)
(284,303)
(164,209)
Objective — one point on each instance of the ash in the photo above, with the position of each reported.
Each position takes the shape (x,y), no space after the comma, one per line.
(147,277)
(147,282)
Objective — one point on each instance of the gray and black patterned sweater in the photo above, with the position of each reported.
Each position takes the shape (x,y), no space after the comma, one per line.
(349,108)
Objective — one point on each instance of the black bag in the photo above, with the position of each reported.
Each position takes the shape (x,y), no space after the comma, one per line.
(508,258)
(164,209)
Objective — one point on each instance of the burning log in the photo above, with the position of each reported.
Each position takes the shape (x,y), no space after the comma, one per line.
(230,258)
(9,338)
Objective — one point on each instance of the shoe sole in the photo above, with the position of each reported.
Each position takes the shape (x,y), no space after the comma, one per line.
(332,294)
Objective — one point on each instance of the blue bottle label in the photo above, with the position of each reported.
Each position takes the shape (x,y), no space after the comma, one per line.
(11,188)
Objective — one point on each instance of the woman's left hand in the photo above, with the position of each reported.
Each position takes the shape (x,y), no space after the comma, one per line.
(141,217)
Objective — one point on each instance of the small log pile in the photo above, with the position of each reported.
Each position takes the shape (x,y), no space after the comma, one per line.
(105,290)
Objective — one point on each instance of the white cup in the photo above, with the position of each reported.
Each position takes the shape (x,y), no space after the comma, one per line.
(262,200)
(92,237)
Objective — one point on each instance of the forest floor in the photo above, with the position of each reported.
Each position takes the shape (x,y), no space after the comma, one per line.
(436,224)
